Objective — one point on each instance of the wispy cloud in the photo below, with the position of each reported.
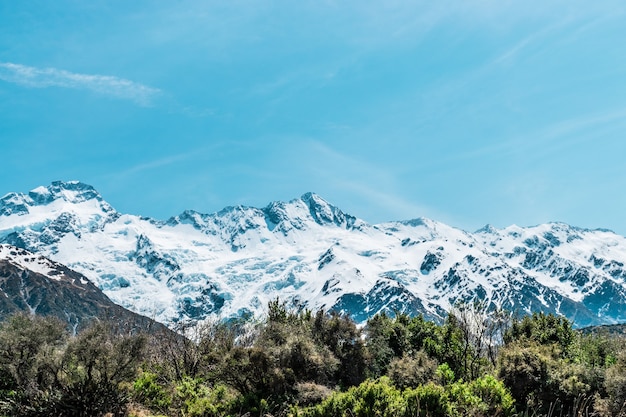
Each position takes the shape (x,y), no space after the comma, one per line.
(398,206)
(533,39)
(156,164)
(375,184)
(101,84)
(166,162)
(544,141)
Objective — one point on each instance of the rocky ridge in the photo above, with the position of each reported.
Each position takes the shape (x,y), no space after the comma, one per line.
(312,254)
(33,284)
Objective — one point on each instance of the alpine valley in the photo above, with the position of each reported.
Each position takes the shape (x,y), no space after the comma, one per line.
(311,254)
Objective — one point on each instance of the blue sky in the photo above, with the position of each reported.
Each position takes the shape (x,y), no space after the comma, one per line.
(468,112)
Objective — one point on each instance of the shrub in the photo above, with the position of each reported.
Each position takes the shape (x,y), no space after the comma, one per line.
(30,352)
(429,400)
(310,393)
(196,399)
(44,372)
(148,391)
(614,403)
(371,398)
(492,392)
(544,329)
(411,371)
(96,365)
(524,370)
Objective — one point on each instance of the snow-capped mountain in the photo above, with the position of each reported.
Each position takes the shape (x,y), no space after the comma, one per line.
(308,252)
(33,284)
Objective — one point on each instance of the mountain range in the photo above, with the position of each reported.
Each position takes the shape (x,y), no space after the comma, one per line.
(311,254)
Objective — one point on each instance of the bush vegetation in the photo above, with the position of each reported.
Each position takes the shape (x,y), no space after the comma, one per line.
(300,363)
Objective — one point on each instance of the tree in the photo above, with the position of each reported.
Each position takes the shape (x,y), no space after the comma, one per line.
(27,347)
(340,335)
(544,329)
(94,366)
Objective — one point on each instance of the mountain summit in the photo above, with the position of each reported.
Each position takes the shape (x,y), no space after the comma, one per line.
(73,192)
(312,254)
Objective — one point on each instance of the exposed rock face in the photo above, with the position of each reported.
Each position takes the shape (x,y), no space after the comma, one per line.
(33,284)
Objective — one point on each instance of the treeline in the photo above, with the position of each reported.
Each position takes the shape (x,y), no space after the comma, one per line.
(300,363)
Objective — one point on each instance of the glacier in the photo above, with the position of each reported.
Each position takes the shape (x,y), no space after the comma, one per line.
(312,255)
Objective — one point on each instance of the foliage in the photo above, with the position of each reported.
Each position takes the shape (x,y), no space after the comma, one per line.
(95,366)
(411,371)
(30,356)
(342,338)
(430,400)
(613,403)
(370,398)
(554,369)
(196,399)
(148,390)
(544,329)
(495,397)
(485,396)
(295,362)
(45,372)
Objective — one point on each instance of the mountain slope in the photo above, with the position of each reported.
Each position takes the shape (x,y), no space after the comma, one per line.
(34,284)
(313,254)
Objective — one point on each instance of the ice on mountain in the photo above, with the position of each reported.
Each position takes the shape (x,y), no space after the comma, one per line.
(310,252)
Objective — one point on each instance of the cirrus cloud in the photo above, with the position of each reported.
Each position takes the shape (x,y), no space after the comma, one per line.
(101,84)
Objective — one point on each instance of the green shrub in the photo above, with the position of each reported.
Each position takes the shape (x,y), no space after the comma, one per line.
(544,329)
(492,392)
(44,372)
(524,369)
(542,380)
(444,374)
(196,399)
(310,393)
(148,392)
(429,400)
(485,396)
(371,398)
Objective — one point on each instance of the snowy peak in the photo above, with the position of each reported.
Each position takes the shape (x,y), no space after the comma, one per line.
(46,214)
(325,213)
(313,254)
(72,192)
(487,229)
(308,212)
